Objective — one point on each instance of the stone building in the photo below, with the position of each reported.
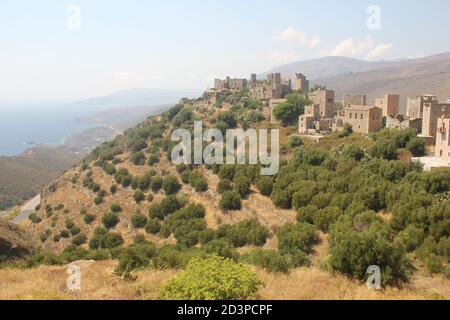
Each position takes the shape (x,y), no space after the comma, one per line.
(211,96)
(325,100)
(272,88)
(301,84)
(400,122)
(390,104)
(432,111)
(358,100)
(312,123)
(414,106)
(363,119)
(230,84)
(442,149)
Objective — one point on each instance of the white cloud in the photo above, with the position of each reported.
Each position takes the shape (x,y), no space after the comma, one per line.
(294,36)
(283,57)
(379,51)
(359,49)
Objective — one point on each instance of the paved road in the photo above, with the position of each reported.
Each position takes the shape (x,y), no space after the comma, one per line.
(27,209)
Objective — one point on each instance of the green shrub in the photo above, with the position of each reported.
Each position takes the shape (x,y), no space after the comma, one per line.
(224,185)
(98,200)
(210,279)
(198,181)
(115,207)
(416,146)
(227,171)
(110,220)
(167,206)
(138,158)
(34,218)
(295,141)
(352,152)
(265,185)
(231,200)
(270,260)
(156,184)
(356,245)
(89,218)
(153,226)
(79,240)
(247,232)
(153,159)
(74,230)
(411,237)
(138,196)
(186,176)
(242,186)
(64,234)
(222,248)
(109,168)
(138,220)
(171,185)
(383,149)
(135,257)
(293,237)
(113,189)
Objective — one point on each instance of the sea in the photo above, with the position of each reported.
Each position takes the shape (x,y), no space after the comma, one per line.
(25,126)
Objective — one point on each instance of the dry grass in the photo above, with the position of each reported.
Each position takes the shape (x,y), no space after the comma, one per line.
(98,281)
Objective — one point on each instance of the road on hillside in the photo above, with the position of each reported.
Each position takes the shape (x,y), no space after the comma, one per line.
(27,209)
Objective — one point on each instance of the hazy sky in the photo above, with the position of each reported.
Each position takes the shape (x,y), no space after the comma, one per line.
(70,50)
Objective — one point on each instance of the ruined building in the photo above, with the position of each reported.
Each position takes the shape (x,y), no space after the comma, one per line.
(301,84)
(442,149)
(414,106)
(363,119)
(358,99)
(271,88)
(390,104)
(401,122)
(325,100)
(230,84)
(433,110)
(319,116)
(311,123)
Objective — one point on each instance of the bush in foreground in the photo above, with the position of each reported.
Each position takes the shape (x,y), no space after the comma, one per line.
(212,278)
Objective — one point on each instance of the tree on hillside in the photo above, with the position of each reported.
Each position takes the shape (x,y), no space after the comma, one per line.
(289,111)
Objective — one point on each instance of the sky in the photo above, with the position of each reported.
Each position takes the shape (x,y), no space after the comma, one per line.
(67,50)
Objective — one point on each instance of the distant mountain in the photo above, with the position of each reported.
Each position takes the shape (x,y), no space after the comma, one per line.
(414,77)
(331,66)
(137,97)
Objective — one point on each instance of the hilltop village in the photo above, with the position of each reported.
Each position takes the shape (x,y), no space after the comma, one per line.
(325,114)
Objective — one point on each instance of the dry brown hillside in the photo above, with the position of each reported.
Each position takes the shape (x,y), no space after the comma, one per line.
(429,75)
(127,201)
(14,241)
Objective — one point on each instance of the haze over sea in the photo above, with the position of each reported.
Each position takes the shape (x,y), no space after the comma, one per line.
(42,124)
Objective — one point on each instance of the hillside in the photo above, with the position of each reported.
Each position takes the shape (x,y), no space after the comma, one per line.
(14,241)
(144,220)
(22,176)
(330,67)
(429,75)
(409,77)
(138,97)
